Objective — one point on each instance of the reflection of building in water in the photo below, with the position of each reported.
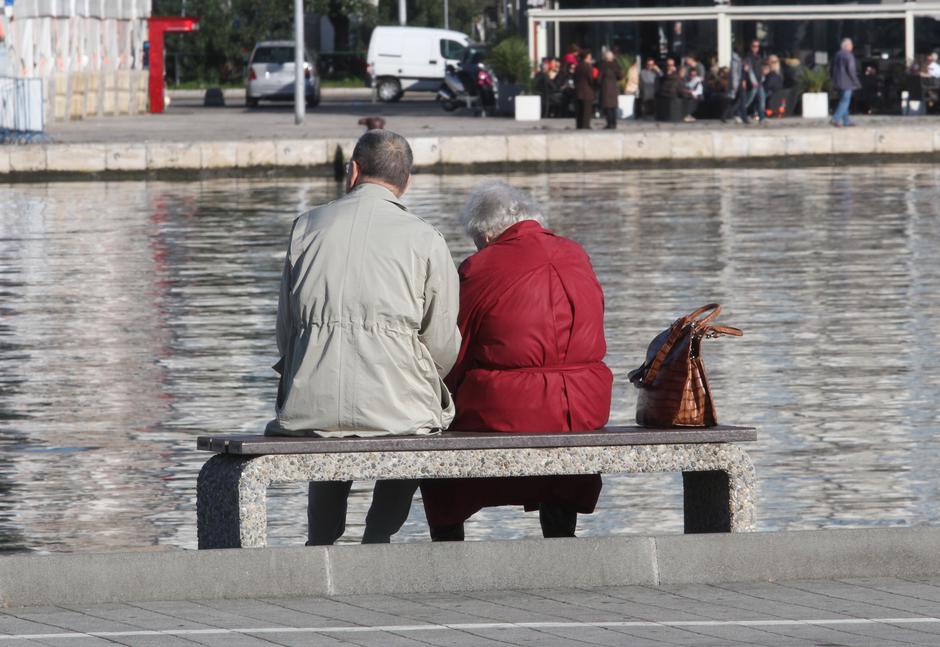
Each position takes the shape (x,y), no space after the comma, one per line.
(91,385)
(89,53)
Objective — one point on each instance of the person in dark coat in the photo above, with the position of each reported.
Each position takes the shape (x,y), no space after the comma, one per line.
(531,359)
(611,74)
(545,86)
(845,80)
(584,90)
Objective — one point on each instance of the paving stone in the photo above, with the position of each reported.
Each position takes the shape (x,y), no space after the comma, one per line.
(11,624)
(894,605)
(230,640)
(197,612)
(138,617)
(413,610)
(65,620)
(334,612)
(259,613)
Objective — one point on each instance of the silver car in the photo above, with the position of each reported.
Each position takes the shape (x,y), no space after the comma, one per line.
(271,74)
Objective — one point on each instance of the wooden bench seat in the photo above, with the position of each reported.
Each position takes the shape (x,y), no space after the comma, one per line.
(718,476)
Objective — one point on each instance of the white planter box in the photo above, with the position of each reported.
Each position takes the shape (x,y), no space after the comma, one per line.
(815,105)
(625,106)
(528,107)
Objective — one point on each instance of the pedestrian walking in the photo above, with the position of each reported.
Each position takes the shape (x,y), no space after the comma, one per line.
(611,74)
(845,80)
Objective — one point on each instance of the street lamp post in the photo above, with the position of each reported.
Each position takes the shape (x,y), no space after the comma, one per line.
(300,104)
(446,16)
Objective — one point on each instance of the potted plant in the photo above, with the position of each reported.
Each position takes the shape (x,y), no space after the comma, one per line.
(626,100)
(815,97)
(510,63)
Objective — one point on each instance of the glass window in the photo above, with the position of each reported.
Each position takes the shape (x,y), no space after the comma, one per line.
(451,49)
(278,55)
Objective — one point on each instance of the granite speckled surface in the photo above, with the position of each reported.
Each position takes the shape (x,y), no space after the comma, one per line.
(231,490)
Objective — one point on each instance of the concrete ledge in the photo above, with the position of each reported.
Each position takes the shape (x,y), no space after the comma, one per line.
(653,147)
(426,567)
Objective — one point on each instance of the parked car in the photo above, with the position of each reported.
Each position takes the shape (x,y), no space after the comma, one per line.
(405,59)
(271,74)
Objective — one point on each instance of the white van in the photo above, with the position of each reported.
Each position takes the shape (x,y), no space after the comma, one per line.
(411,58)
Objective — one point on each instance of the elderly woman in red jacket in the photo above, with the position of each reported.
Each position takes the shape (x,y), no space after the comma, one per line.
(532,322)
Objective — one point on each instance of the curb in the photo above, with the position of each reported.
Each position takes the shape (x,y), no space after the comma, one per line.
(500,565)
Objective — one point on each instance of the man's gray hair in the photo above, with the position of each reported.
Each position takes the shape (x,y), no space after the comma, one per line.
(845,41)
(384,155)
(494,207)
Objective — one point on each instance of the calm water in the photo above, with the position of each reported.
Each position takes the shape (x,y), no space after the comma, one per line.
(135,316)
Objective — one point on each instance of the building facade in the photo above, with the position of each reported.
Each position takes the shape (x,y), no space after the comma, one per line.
(89,54)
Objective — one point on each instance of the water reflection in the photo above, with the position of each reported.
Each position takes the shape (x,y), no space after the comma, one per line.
(137,315)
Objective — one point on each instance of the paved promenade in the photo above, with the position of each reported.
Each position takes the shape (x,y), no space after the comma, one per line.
(192,138)
(882,612)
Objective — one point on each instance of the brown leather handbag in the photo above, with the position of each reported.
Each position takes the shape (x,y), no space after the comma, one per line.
(672,383)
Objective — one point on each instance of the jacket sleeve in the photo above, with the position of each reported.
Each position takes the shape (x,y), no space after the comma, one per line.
(284,323)
(441,303)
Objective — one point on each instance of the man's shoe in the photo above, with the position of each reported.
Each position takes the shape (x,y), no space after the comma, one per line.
(851,124)
(688,119)
(836,124)
(738,120)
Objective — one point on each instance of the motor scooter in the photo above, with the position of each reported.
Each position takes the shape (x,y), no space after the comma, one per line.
(474,89)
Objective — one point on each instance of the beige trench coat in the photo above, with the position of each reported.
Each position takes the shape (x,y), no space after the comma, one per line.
(367,321)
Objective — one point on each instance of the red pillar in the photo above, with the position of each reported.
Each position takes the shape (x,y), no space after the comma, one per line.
(157,27)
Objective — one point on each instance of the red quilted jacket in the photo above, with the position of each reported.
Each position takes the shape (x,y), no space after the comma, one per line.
(532,322)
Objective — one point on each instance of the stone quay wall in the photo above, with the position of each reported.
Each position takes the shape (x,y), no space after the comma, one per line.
(509,152)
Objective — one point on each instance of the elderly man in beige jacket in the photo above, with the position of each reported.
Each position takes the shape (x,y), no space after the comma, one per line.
(366,328)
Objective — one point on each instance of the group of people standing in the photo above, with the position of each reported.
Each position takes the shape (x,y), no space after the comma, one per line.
(379,334)
(576,79)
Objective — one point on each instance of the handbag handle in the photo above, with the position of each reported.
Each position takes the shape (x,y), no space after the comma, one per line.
(704,321)
(717,331)
(677,331)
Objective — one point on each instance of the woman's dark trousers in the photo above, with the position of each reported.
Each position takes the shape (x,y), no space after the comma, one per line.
(556,521)
(585,112)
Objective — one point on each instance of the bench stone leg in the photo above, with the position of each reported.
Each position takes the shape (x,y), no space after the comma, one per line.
(230,504)
(707,501)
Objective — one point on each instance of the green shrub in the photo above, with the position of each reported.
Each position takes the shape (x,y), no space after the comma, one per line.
(625,61)
(510,61)
(815,79)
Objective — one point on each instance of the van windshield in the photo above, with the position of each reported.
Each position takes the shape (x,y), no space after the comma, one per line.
(278,55)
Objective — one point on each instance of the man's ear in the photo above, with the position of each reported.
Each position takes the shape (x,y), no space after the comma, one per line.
(407,186)
(352,177)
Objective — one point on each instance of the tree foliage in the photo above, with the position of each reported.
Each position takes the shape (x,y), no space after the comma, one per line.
(229,30)
(430,13)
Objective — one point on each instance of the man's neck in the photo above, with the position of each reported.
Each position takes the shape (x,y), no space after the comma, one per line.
(385,185)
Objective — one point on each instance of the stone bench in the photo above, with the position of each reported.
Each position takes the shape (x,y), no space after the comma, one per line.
(718,476)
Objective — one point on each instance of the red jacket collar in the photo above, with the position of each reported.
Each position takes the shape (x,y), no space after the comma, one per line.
(520,230)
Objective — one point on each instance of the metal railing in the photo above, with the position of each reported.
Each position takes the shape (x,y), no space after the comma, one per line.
(22,115)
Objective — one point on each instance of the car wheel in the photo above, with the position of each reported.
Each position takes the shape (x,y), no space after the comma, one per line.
(251,102)
(389,90)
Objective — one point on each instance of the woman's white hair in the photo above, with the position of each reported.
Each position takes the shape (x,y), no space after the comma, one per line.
(494,207)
